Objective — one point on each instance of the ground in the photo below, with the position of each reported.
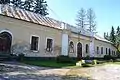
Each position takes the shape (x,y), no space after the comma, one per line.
(18,71)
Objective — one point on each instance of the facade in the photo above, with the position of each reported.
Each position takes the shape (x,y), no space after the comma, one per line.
(37,36)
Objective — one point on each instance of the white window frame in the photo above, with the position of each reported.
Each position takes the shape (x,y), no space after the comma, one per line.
(38,42)
(52,43)
(73,47)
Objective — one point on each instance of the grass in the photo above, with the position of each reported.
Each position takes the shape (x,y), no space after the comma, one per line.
(49,63)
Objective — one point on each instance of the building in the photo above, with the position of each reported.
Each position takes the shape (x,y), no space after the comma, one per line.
(29,33)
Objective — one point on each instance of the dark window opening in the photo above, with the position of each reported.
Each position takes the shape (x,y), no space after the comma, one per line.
(106,51)
(34,43)
(97,50)
(87,48)
(49,44)
(101,50)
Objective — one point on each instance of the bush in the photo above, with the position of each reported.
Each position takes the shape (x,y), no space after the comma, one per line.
(63,59)
(21,57)
(107,57)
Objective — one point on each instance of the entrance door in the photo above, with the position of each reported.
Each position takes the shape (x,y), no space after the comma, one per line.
(79,50)
(5,42)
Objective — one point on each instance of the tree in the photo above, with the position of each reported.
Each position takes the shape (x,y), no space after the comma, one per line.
(4,1)
(112,36)
(17,3)
(118,31)
(81,18)
(41,7)
(28,5)
(91,20)
(105,35)
(118,38)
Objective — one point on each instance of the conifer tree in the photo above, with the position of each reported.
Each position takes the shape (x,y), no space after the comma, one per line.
(4,1)
(41,7)
(112,35)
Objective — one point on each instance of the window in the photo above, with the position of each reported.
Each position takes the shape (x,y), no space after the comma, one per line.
(101,50)
(34,43)
(97,50)
(112,53)
(109,51)
(106,51)
(87,48)
(49,45)
(71,47)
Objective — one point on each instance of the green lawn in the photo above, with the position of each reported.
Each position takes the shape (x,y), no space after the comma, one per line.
(49,63)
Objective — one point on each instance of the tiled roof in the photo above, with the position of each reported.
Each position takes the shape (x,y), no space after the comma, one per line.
(30,16)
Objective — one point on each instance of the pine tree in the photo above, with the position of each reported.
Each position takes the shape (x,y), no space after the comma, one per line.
(91,20)
(28,5)
(105,35)
(4,1)
(17,3)
(41,7)
(81,18)
(118,31)
(118,37)
(112,36)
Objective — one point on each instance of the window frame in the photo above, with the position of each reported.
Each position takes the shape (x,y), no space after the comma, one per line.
(101,50)
(106,50)
(73,46)
(98,50)
(87,48)
(38,42)
(52,44)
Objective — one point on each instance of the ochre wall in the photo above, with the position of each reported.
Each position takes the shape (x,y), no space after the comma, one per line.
(22,32)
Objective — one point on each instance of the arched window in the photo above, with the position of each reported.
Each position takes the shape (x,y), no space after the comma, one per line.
(87,48)
(71,47)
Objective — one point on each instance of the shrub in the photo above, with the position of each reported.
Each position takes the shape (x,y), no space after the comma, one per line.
(108,57)
(63,59)
(21,57)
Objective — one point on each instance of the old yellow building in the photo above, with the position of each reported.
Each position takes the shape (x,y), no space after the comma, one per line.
(37,36)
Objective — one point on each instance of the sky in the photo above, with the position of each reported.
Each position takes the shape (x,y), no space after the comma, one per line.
(107,12)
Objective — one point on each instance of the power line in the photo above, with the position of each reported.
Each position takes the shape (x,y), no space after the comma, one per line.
(54,13)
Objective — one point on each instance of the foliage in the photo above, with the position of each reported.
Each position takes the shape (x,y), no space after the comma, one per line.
(63,59)
(109,57)
(86,19)
(37,6)
(91,20)
(112,36)
(17,3)
(21,57)
(4,1)
(41,7)
(81,18)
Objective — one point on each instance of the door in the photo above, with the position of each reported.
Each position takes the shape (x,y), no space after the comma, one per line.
(79,51)
(5,42)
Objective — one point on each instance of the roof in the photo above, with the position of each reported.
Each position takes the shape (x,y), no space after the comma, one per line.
(25,15)
(30,16)
(101,39)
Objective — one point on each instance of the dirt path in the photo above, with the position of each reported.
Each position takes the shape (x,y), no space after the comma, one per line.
(25,72)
